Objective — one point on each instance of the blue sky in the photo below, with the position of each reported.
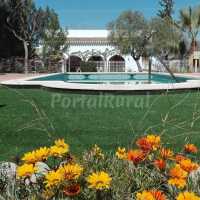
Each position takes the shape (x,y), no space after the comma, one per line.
(96,14)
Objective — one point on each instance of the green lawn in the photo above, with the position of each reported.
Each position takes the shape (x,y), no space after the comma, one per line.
(30,118)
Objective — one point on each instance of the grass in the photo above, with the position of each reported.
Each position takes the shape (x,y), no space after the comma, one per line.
(30,118)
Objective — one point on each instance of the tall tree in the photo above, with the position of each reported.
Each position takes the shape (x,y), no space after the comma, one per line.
(166,10)
(190,23)
(182,52)
(131,33)
(26,22)
(10,45)
(54,38)
(165,41)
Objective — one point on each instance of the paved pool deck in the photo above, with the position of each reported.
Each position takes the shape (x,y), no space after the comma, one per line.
(16,76)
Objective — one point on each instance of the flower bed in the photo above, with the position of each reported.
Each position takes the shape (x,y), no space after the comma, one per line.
(148,171)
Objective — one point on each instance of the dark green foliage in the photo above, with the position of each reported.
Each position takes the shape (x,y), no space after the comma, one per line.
(10,45)
(23,24)
(88,67)
(182,48)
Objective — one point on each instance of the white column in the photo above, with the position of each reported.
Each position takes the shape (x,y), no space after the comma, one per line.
(63,65)
(195,66)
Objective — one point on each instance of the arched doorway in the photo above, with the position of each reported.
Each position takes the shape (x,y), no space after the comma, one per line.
(98,62)
(116,64)
(73,63)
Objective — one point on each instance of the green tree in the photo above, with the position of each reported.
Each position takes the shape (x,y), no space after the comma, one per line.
(131,33)
(165,41)
(190,24)
(26,22)
(166,10)
(10,45)
(54,38)
(183,51)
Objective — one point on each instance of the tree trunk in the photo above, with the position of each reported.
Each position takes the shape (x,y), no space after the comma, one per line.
(25,57)
(181,65)
(168,69)
(149,71)
(193,46)
(138,65)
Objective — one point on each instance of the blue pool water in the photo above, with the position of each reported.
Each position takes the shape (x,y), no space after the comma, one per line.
(111,78)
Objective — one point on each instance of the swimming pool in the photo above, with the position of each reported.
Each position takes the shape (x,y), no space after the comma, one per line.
(112,78)
(109,82)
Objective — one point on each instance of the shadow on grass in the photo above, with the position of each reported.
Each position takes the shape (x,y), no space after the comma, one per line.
(3,105)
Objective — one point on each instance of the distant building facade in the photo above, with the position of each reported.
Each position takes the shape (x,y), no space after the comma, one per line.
(94,47)
(194,61)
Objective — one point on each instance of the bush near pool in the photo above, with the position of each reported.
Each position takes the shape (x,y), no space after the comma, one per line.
(147,171)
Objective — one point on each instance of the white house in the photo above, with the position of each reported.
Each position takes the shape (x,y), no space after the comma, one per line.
(94,46)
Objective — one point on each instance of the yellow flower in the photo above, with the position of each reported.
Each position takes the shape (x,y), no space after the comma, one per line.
(29,158)
(154,140)
(61,143)
(26,170)
(187,196)
(145,195)
(70,171)
(58,151)
(53,178)
(121,153)
(42,154)
(97,151)
(178,182)
(99,180)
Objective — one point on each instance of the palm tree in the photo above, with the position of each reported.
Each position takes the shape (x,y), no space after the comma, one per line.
(190,23)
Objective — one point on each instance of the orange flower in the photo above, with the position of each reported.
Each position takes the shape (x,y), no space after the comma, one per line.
(72,190)
(143,144)
(178,172)
(151,195)
(190,148)
(145,195)
(158,195)
(136,156)
(180,157)
(166,153)
(188,165)
(178,176)
(160,164)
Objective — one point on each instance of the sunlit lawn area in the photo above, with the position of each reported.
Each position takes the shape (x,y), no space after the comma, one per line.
(29,119)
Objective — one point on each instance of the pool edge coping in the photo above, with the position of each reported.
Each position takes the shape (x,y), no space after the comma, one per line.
(189,84)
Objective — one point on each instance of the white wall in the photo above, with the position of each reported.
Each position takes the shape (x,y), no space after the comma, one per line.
(88,33)
(130,64)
